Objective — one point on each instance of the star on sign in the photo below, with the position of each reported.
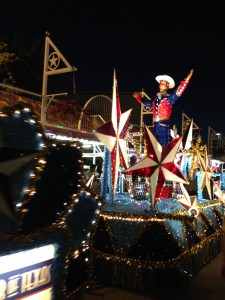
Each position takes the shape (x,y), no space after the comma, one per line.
(159,164)
(54,61)
(206,173)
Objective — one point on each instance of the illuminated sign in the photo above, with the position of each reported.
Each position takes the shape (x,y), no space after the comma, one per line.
(27,274)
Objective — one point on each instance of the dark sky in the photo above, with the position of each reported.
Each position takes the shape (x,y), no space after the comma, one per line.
(141,40)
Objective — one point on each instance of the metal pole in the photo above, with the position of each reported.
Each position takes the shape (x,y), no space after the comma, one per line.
(44,85)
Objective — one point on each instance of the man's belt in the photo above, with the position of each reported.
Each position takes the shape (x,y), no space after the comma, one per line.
(157,119)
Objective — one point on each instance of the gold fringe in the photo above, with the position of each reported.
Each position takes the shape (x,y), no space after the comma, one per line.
(136,274)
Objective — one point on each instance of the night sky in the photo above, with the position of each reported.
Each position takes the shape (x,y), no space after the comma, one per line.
(141,40)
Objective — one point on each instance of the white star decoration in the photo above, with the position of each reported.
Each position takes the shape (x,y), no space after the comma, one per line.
(187,201)
(206,172)
(219,193)
(158,165)
(187,137)
(190,204)
(186,143)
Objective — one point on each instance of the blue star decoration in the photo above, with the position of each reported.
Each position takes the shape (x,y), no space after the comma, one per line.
(21,141)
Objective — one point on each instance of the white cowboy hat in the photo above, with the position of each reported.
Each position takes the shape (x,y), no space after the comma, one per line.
(168,79)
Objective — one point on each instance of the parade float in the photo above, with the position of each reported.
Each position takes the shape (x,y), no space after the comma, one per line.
(46,215)
(157,218)
(132,234)
(162,216)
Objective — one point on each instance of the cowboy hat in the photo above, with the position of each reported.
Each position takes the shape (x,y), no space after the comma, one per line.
(166,78)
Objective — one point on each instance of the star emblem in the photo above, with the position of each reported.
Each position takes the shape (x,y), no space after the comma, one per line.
(54,61)
(112,134)
(159,164)
(206,172)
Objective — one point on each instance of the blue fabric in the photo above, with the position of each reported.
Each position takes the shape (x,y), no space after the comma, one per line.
(161,131)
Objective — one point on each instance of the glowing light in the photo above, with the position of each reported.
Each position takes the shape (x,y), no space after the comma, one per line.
(26,258)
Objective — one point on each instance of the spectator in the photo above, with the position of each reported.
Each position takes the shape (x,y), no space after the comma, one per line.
(92,178)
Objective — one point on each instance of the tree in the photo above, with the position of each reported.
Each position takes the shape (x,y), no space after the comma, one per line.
(29,68)
(21,62)
(7,60)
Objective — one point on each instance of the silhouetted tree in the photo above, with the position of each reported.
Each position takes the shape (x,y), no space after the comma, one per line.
(7,60)
(22,60)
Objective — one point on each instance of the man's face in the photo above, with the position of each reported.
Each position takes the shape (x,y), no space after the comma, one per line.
(163,85)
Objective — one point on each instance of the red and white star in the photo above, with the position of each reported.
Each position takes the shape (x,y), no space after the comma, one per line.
(159,164)
(112,135)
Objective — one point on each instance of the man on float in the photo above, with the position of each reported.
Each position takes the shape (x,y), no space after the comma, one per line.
(162,105)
